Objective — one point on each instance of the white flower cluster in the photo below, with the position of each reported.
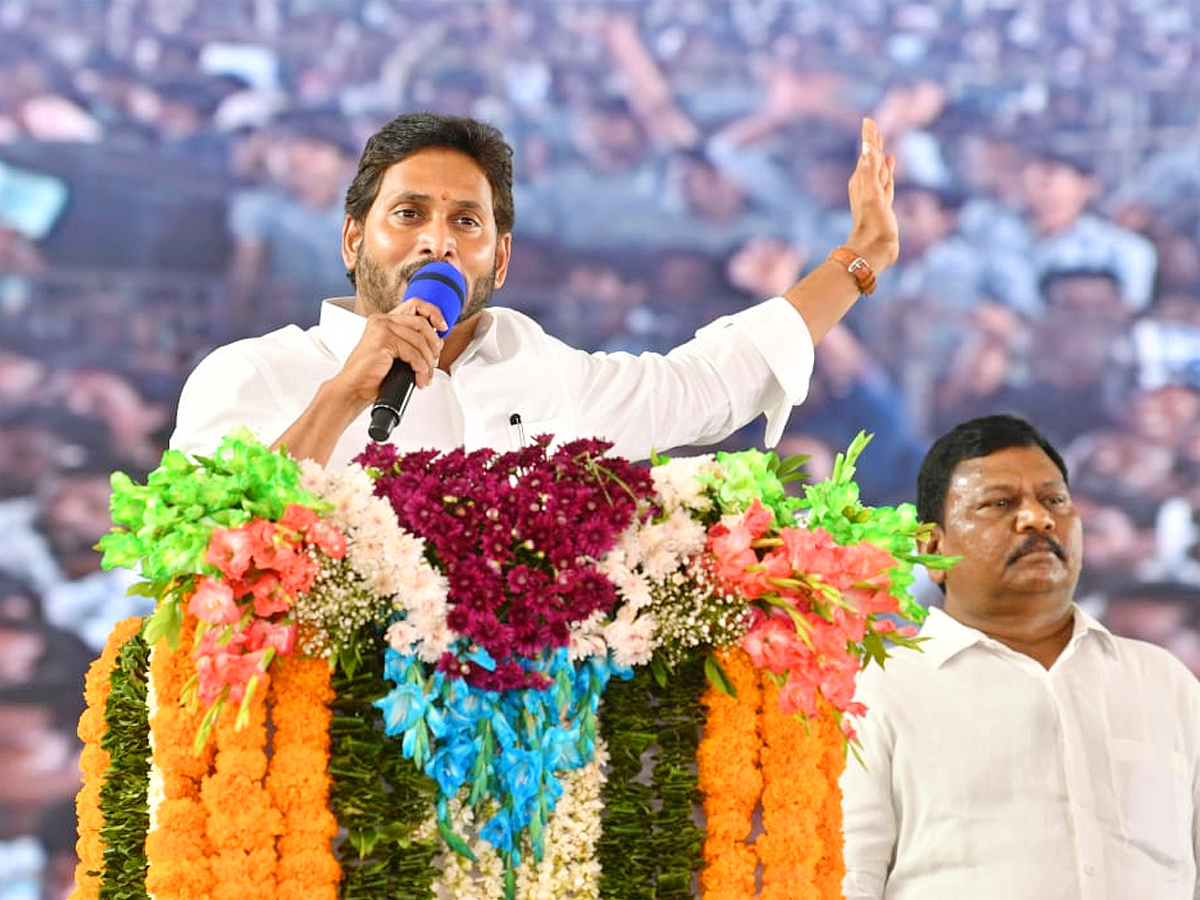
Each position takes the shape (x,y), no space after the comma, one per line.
(692,612)
(458,878)
(647,556)
(156,790)
(667,600)
(677,482)
(384,568)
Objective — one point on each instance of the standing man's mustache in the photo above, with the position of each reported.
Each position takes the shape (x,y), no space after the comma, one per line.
(1038,542)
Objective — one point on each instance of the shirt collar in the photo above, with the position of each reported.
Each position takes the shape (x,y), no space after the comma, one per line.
(341,328)
(485,343)
(949,637)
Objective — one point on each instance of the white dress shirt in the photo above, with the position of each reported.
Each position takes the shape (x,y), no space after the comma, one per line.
(734,369)
(991,778)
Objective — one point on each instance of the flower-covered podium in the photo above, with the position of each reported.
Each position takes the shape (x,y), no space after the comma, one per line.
(542,674)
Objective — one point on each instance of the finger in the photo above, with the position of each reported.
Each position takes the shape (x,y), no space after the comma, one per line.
(428,311)
(871,138)
(409,337)
(418,344)
(418,359)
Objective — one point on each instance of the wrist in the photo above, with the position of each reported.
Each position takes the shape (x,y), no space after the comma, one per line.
(880,252)
(857,266)
(337,404)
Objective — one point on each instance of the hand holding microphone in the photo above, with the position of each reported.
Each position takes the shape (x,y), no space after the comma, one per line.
(441,284)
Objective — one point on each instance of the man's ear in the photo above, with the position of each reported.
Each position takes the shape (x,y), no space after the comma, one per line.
(932,545)
(503,255)
(352,235)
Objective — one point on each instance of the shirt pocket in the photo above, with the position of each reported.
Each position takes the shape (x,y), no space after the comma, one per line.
(1154,795)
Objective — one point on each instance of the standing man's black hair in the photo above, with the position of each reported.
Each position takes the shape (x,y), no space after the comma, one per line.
(971,440)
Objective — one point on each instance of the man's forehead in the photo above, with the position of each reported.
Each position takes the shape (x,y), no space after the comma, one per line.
(1007,466)
(439,173)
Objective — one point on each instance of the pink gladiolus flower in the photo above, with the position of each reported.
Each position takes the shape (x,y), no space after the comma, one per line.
(261,634)
(262,537)
(208,685)
(236,671)
(758,578)
(848,729)
(773,644)
(798,694)
(298,518)
(296,569)
(854,708)
(811,551)
(230,550)
(328,538)
(269,595)
(757,518)
(852,626)
(213,603)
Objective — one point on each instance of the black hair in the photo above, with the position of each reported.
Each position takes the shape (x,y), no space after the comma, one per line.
(970,440)
(63,700)
(409,133)
(948,197)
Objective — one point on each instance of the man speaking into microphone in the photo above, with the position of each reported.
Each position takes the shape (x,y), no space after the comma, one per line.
(435,188)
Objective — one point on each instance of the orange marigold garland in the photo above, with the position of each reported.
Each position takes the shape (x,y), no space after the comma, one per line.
(831,869)
(93,762)
(298,779)
(794,792)
(242,823)
(730,779)
(177,847)
(756,757)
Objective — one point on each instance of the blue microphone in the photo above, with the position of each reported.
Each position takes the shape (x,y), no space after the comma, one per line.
(442,285)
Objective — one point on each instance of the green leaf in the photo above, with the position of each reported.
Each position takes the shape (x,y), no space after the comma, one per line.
(717,677)
(659,669)
(454,842)
(164,622)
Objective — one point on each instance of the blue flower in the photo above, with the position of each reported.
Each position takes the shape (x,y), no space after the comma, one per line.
(481,657)
(502,729)
(520,773)
(450,765)
(403,707)
(498,832)
(562,750)
(400,667)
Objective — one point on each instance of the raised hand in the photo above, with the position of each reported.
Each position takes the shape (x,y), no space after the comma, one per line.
(874,235)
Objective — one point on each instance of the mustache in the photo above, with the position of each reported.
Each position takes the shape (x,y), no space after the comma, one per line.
(406,272)
(1037,542)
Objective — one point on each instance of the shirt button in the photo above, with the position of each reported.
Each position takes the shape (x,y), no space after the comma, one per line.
(1089,870)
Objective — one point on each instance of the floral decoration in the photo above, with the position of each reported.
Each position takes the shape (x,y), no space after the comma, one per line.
(463,635)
